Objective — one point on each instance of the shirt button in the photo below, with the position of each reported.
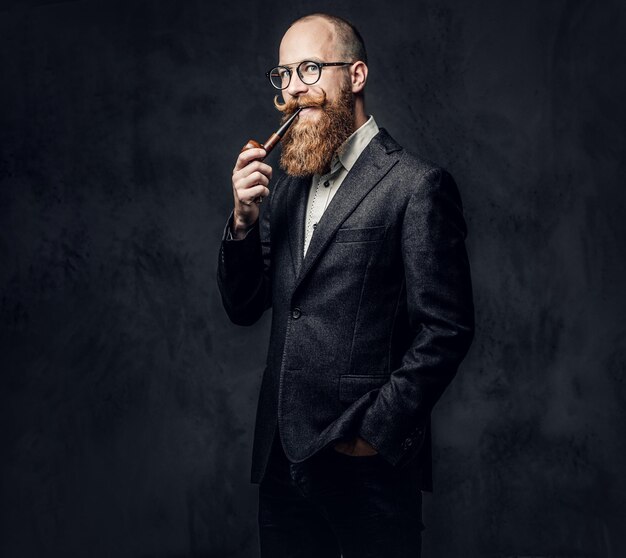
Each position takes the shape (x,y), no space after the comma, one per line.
(314,225)
(327,184)
(296,313)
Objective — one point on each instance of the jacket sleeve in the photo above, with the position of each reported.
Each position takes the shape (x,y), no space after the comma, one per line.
(440,317)
(244,270)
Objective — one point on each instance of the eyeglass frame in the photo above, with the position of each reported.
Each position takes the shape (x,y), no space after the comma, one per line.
(321,65)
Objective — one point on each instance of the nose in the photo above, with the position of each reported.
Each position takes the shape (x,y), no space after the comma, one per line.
(296,86)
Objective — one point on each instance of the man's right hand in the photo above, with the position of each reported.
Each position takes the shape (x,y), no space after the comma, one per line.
(250,180)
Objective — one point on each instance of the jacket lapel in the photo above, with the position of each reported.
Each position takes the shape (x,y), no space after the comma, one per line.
(296,198)
(373,164)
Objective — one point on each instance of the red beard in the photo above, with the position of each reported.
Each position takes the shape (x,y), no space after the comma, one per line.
(308,147)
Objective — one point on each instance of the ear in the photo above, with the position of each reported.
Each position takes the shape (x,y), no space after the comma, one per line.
(358,76)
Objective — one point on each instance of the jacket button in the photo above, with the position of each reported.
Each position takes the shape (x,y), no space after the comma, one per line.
(407,443)
(296,313)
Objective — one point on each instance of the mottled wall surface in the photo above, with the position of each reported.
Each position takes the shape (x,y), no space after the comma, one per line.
(127,398)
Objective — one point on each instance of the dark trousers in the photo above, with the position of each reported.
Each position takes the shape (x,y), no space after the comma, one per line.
(334,505)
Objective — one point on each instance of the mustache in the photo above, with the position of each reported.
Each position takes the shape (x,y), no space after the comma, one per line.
(294,103)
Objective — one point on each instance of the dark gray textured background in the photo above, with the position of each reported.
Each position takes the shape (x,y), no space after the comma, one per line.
(127,398)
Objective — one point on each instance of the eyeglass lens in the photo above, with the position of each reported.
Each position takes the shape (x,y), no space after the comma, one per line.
(308,71)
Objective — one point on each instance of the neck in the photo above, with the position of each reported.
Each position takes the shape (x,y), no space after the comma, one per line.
(360,116)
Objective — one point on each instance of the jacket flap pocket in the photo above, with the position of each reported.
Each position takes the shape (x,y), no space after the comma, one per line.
(360,235)
(353,386)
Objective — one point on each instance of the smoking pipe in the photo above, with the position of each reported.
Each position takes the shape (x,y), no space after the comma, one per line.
(274,138)
(271,142)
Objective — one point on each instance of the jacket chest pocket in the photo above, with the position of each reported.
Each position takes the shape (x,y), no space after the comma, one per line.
(354,386)
(366,234)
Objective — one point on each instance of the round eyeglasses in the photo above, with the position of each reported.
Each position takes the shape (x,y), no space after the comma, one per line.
(308,70)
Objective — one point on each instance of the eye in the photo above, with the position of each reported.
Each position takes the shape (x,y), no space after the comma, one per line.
(283,73)
(310,68)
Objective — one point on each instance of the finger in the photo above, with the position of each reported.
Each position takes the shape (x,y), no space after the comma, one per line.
(260,167)
(243,176)
(254,166)
(247,156)
(253,193)
(252,180)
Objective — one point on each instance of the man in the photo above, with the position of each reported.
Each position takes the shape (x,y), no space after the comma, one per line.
(359,250)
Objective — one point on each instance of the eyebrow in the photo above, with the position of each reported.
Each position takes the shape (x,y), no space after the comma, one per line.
(311,58)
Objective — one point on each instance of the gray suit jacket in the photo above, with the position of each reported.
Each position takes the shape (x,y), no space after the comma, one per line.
(370,327)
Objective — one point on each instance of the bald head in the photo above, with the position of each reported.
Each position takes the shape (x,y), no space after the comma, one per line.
(338,49)
(345,36)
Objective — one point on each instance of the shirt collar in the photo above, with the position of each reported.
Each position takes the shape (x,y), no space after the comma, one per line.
(350,150)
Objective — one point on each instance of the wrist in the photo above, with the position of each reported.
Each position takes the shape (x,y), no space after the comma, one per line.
(240,228)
